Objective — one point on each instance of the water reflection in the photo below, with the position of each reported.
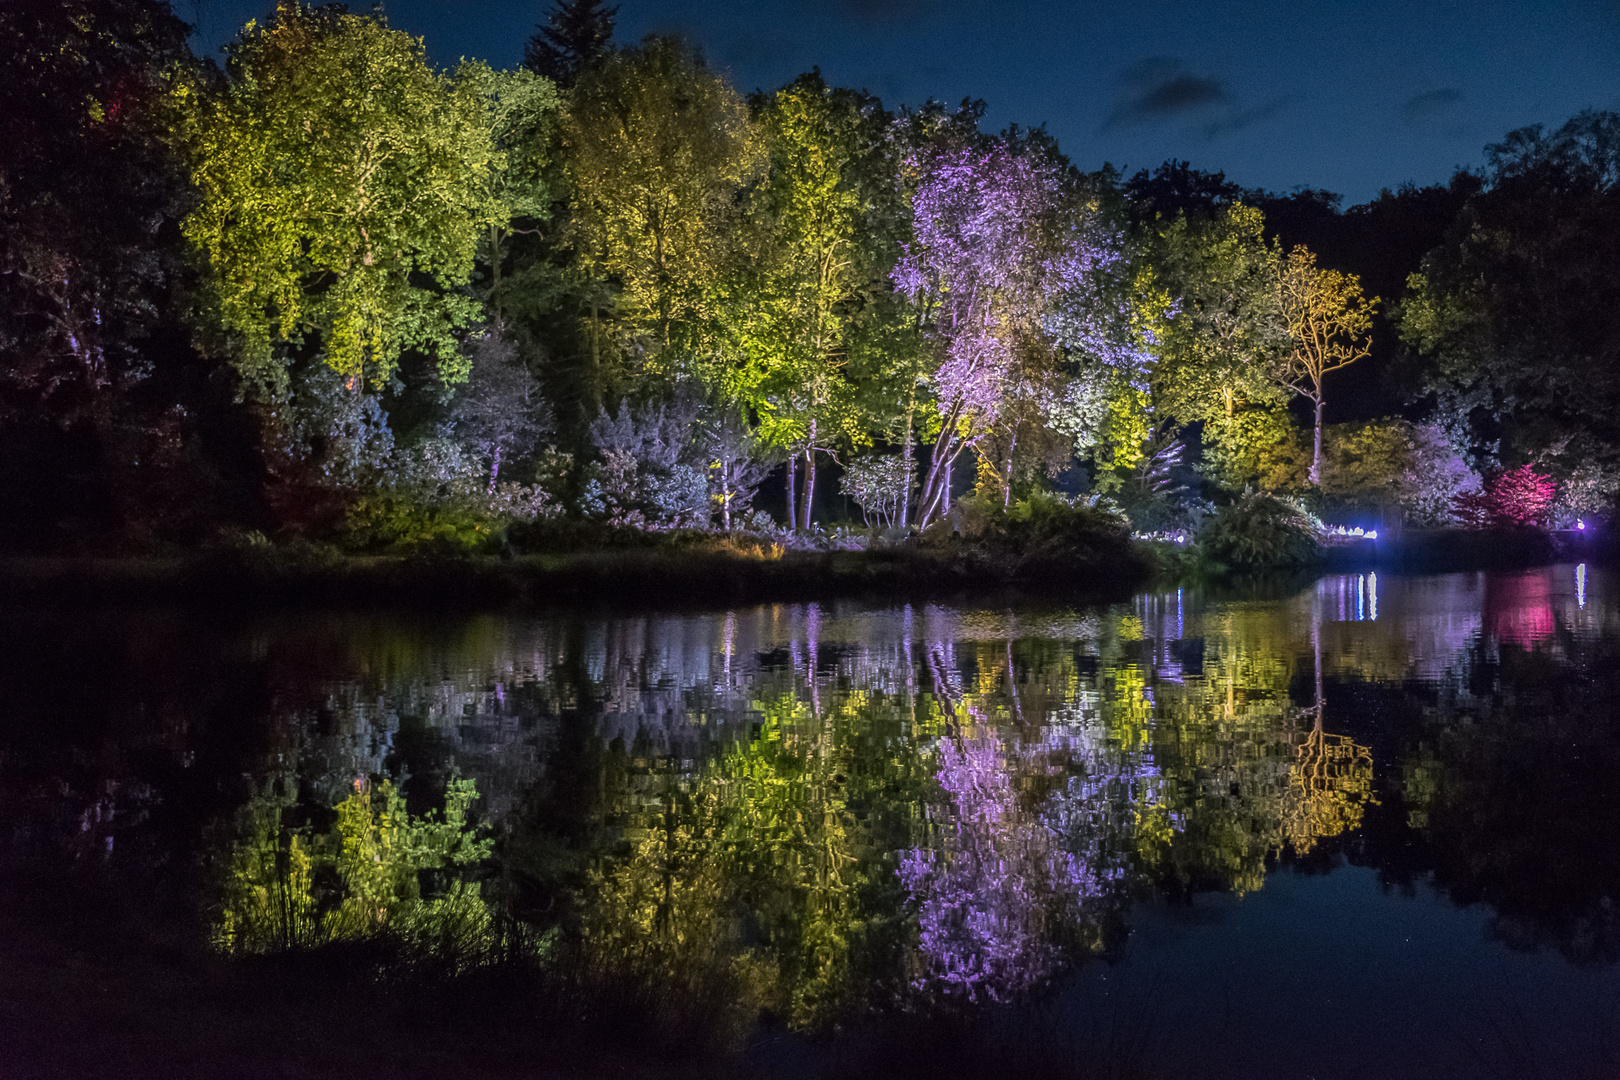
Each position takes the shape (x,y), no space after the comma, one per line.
(820,810)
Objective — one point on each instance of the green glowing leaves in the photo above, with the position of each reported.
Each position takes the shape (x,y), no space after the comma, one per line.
(288,888)
(657,148)
(344,187)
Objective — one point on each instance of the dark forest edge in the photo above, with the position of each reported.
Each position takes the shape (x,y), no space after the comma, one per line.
(771,344)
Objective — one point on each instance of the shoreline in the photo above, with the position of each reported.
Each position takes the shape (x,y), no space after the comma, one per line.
(715,577)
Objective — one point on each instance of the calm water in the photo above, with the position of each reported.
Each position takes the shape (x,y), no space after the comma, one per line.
(1368,829)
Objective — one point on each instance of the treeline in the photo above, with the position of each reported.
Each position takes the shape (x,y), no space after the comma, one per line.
(331,291)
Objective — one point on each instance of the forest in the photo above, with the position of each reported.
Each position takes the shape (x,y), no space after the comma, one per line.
(328,293)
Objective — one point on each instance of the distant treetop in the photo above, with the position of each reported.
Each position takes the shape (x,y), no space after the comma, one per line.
(574,35)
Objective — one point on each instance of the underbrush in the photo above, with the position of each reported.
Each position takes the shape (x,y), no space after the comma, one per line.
(1259,533)
(1043,538)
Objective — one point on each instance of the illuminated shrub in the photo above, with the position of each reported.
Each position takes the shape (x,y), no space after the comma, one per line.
(1260,532)
(1515,499)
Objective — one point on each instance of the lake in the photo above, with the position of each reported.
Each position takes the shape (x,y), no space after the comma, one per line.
(1367,828)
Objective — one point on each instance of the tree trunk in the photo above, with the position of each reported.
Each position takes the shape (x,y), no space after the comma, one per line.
(809,477)
(792,497)
(1316,457)
(495,468)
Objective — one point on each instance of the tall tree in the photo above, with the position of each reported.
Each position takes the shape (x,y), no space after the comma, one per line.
(522,119)
(985,220)
(657,147)
(1517,313)
(345,186)
(88,181)
(575,35)
(1328,323)
(814,265)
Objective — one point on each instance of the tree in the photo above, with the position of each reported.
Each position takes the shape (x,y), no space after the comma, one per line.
(985,223)
(499,412)
(1221,348)
(522,119)
(1517,314)
(344,188)
(575,35)
(810,274)
(658,147)
(1328,322)
(88,181)
(1513,499)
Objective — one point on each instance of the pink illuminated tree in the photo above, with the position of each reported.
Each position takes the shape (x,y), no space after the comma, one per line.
(1517,498)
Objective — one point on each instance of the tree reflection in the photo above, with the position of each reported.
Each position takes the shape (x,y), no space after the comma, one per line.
(289,887)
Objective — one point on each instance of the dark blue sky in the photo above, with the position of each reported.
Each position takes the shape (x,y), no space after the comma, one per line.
(1352,97)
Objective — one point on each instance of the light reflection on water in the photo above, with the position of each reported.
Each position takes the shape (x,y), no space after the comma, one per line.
(859,806)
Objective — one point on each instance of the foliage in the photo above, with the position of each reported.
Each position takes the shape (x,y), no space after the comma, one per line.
(657,147)
(1517,313)
(388,520)
(289,887)
(1590,492)
(1260,448)
(737,463)
(89,181)
(649,474)
(1328,322)
(1435,475)
(344,186)
(1039,537)
(1260,532)
(1003,253)
(499,413)
(1222,347)
(881,485)
(1512,499)
(575,35)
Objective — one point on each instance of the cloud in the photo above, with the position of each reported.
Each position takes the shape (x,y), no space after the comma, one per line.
(1238,119)
(1160,89)
(1431,103)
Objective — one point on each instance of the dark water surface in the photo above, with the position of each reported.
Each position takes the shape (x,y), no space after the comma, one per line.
(1368,829)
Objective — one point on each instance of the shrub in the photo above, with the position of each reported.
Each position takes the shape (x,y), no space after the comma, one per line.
(1260,532)
(378,522)
(1515,499)
(1036,535)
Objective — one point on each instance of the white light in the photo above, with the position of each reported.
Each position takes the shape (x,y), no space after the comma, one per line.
(1372,534)
(1372,596)
(1580,585)
(1579,524)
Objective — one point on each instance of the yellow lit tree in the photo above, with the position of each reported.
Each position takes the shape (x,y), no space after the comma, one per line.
(1328,322)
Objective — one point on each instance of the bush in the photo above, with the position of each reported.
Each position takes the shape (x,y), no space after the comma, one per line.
(1515,499)
(1038,535)
(1260,532)
(379,522)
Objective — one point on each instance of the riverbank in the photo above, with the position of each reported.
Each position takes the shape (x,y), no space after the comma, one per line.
(719,573)
(708,577)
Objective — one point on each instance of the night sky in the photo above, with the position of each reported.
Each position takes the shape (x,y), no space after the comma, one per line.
(1351,97)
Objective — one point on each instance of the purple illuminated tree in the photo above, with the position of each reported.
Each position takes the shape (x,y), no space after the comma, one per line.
(983,218)
(1006,261)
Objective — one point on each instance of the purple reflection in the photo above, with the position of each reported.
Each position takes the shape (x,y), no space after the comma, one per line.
(1007,885)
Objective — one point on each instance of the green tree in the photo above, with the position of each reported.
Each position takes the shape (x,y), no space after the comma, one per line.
(523,119)
(657,148)
(344,188)
(1517,313)
(813,274)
